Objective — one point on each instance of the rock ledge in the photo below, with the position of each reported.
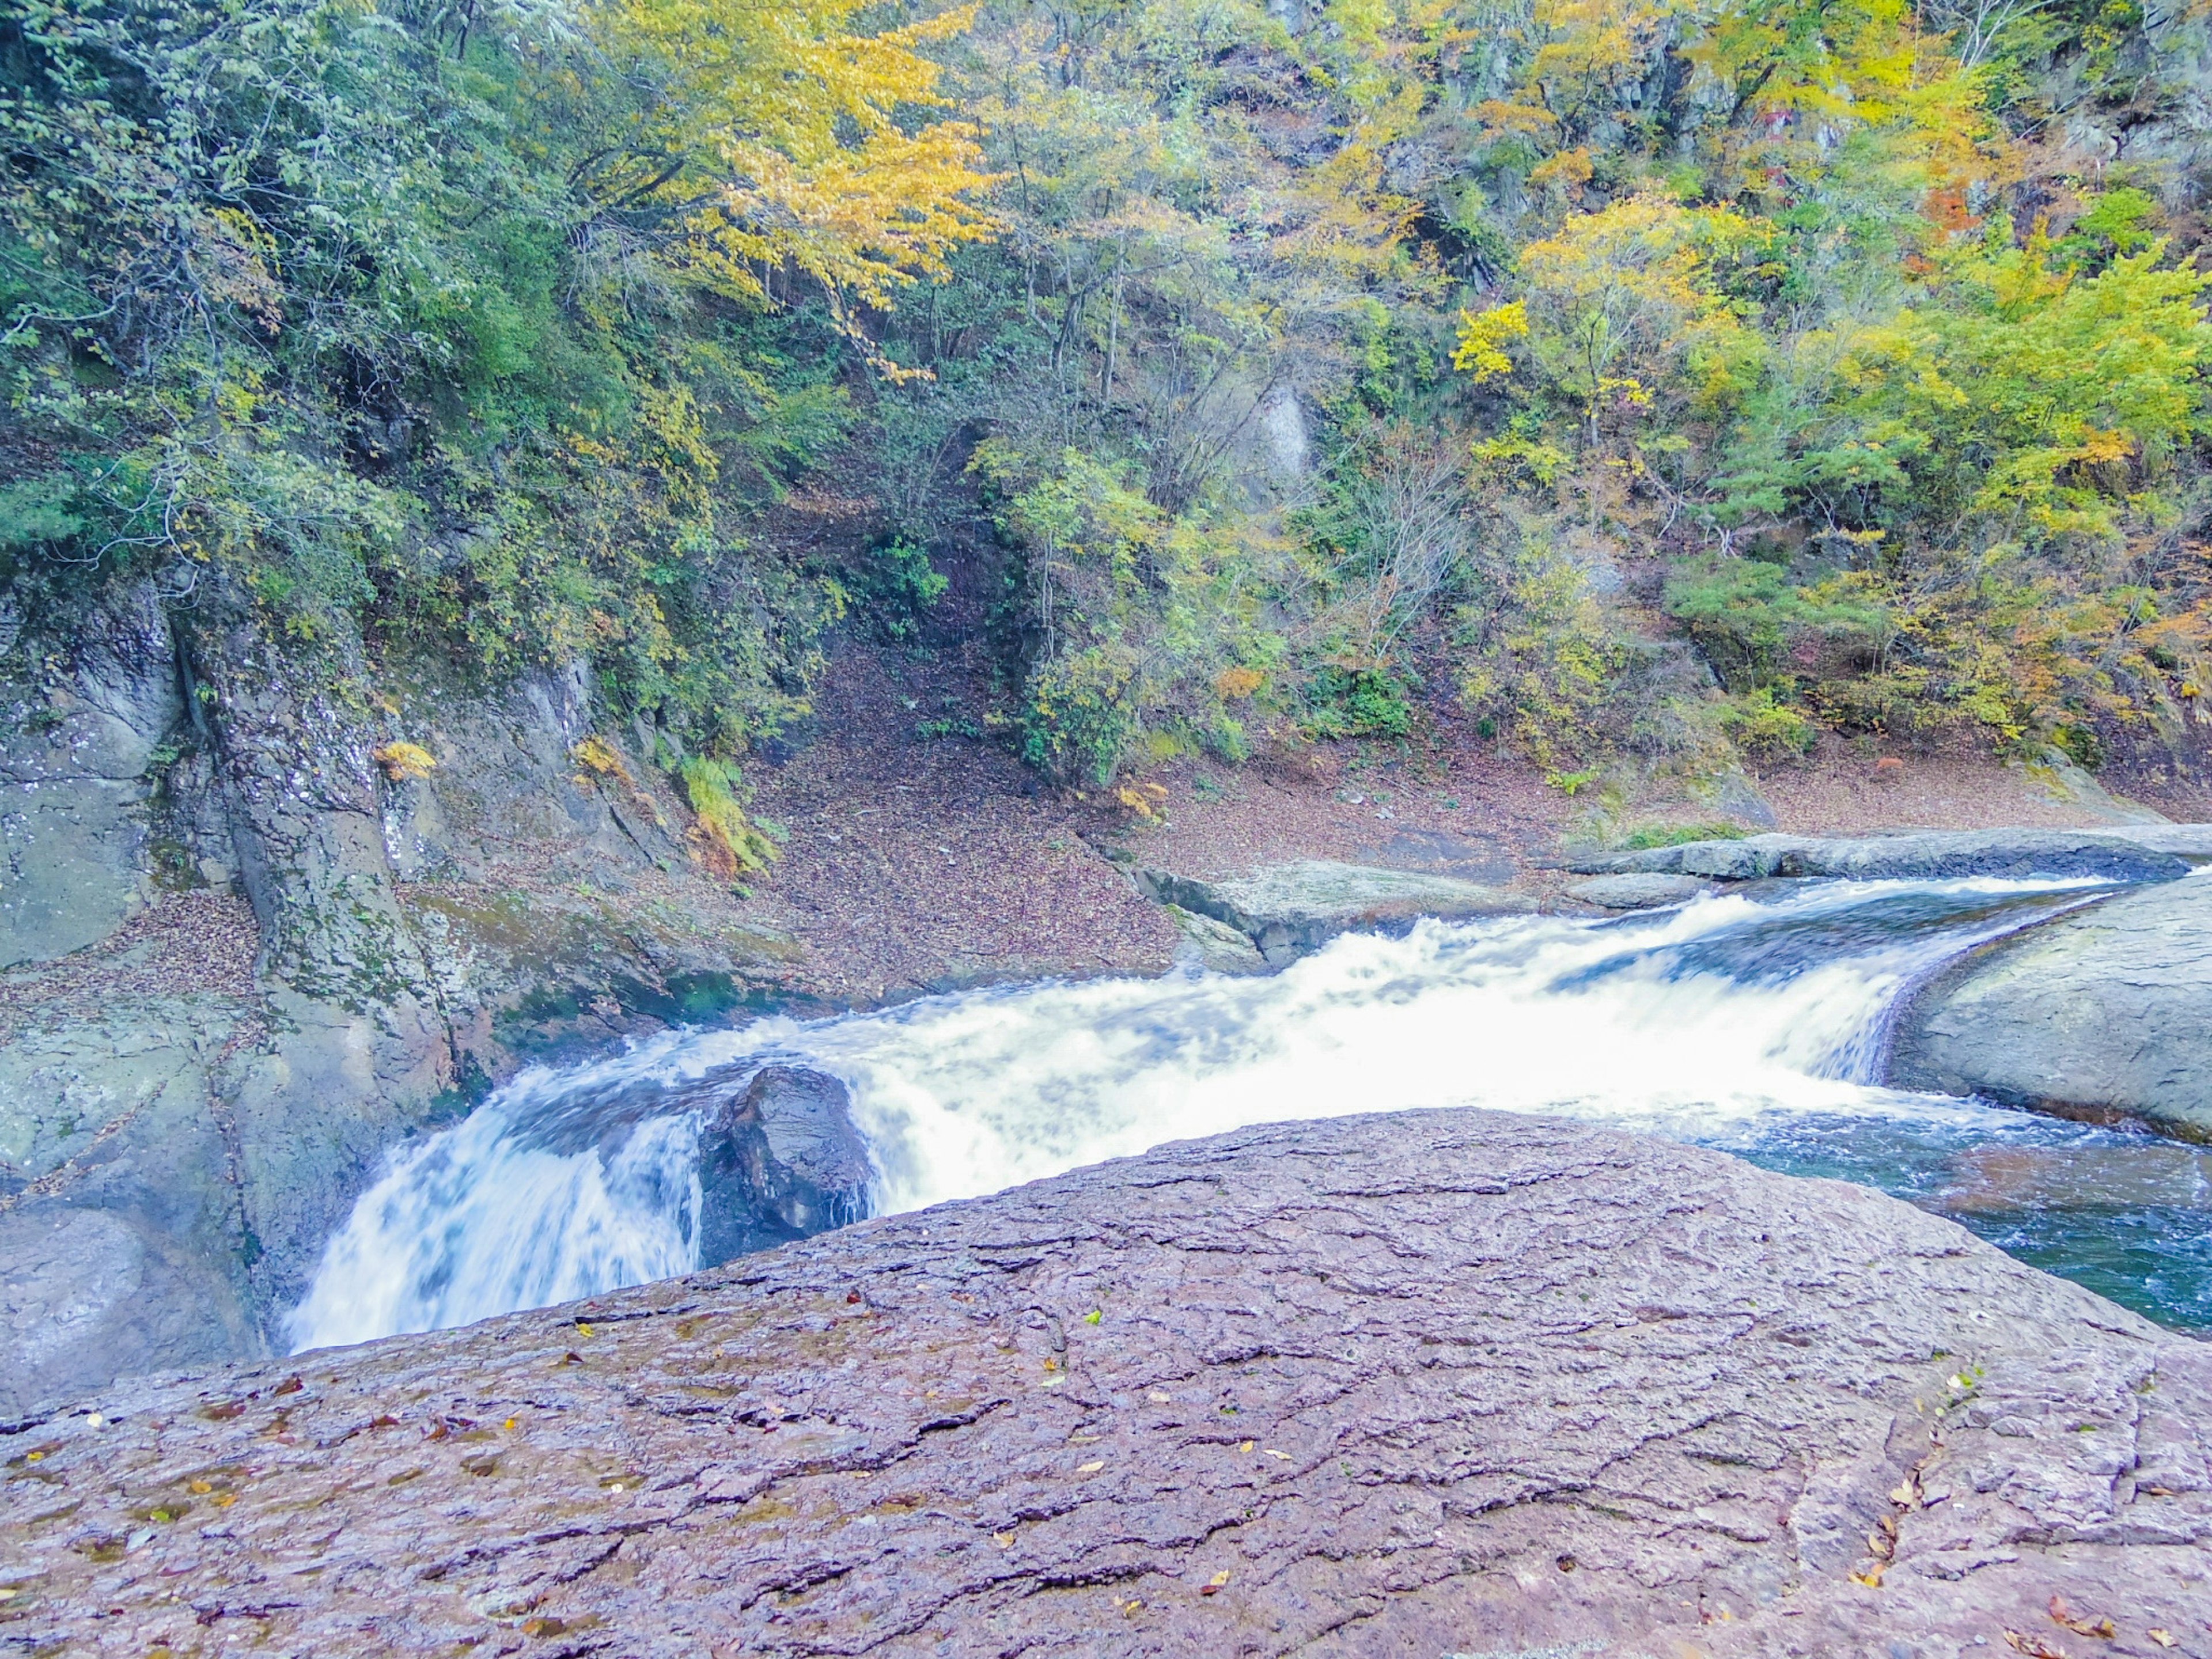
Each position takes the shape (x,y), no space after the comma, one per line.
(1419,1383)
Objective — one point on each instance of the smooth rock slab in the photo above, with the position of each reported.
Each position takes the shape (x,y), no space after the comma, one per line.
(2107,1010)
(1288,910)
(1638,892)
(1935,855)
(1423,1383)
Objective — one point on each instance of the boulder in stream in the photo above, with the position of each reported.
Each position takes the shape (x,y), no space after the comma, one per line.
(2105,1012)
(1418,1383)
(1288,909)
(1926,855)
(780,1159)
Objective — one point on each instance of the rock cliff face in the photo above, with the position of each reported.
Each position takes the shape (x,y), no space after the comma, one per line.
(2105,1011)
(415,935)
(1427,1384)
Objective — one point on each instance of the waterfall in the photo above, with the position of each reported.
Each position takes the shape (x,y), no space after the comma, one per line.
(1752,1021)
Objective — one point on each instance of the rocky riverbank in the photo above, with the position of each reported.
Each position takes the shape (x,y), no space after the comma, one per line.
(276,908)
(1437,1383)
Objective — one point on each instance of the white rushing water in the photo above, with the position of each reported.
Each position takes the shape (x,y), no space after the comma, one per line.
(1712,1022)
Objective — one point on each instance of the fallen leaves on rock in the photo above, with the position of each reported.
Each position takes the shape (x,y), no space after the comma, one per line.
(2063,1614)
(2033,1646)
(1214,1583)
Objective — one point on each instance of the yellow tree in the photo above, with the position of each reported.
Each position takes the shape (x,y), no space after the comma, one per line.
(1618,300)
(770,134)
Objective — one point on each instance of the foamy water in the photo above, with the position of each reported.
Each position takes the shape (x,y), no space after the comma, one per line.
(1741,1021)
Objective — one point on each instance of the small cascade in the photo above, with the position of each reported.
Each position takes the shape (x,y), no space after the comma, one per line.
(1750,1021)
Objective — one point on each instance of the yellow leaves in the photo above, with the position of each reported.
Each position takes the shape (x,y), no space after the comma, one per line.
(1570,170)
(786,125)
(1631,288)
(1213,1586)
(1502,116)
(1482,337)
(1233,684)
(601,759)
(404,761)
(2033,1646)
(2163,1638)
(1091,1467)
(1005,1541)
(1147,801)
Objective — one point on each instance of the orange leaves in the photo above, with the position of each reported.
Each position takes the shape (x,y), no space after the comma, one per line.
(402,762)
(1232,684)
(2063,1614)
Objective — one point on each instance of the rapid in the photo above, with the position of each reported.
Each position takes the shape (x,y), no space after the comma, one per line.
(1753,1022)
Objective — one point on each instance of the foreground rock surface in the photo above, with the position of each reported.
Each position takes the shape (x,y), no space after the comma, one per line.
(1288,909)
(1932,855)
(1424,1383)
(2105,1010)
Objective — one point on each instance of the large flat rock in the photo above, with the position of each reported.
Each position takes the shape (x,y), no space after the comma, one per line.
(1424,1383)
(2107,1010)
(1286,910)
(2129,855)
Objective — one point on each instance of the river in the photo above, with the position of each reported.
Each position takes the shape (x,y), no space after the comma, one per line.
(1753,1022)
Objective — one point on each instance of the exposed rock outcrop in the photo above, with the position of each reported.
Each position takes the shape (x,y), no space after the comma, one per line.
(215,1136)
(1288,909)
(1430,1382)
(1638,892)
(76,784)
(1931,855)
(2105,1011)
(1213,944)
(779,1161)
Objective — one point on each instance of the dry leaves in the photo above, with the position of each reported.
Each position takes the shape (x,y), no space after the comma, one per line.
(2033,1646)
(2063,1614)
(1214,1583)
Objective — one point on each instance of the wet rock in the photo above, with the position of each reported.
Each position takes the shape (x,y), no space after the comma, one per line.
(1932,856)
(2106,1011)
(781,1160)
(1288,909)
(1638,892)
(1213,944)
(1428,1382)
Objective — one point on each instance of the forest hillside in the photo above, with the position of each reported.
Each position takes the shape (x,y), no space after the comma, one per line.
(1667,383)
